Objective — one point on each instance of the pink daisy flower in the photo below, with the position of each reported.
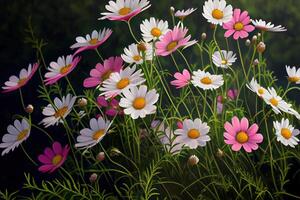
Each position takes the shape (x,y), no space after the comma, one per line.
(15,82)
(181,79)
(102,71)
(238,134)
(238,26)
(53,158)
(61,68)
(172,40)
(112,107)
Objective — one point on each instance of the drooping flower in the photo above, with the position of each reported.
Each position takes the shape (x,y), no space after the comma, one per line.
(111,106)
(256,88)
(276,102)
(153,29)
(172,40)
(264,26)
(138,102)
(92,41)
(120,81)
(206,81)
(286,133)
(15,82)
(182,80)
(216,11)
(124,10)
(61,68)
(102,71)
(239,26)
(133,54)
(53,158)
(193,133)
(89,137)
(232,94)
(17,133)
(293,74)
(182,14)
(239,134)
(225,60)
(62,108)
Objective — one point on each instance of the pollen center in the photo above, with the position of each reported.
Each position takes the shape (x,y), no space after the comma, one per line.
(22,134)
(294,79)
(172,45)
(193,133)
(261,91)
(65,69)
(286,133)
(139,103)
(242,137)
(124,82)
(22,81)
(274,102)
(124,11)
(56,159)
(93,41)
(217,14)
(206,80)
(61,112)
(137,58)
(98,134)
(156,32)
(224,62)
(238,26)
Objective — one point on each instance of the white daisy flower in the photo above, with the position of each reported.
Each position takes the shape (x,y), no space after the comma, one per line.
(264,26)
(256,88)
(275,101)
(120,81)
(294,74)
(181,14)
(62,108)
(17,133)
(153,29)
(225,60)
(206,81)
(216,11)
(193,133)
(286,133)
(138,102)
(89,137)
(294,112)
(133,54)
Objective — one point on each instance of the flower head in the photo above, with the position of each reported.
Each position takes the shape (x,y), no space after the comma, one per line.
(216,11)
(182,80)
(239,134)
(206,81)
(182,14)
(225,60)
(15,82)
(111,106)
(293,74)
(264,26)
(256,88)
(286,133)
(53,158)
(153,29)
(276,102)
(133,54)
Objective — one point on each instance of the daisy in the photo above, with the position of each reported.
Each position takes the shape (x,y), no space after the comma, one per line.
(120,81)
(181,14)
(238,26)
(15,82)
(294,112)
(216,11)
(182,80)
(92,41)
(89,137)
(193,133)
(102,71)
(206,81)
(124,10)
(17,133)
(61,68)
(239,134)
(62,109)
(255,87)
(133,54)
(294,74)
(153,29)
(53,158)
(276,102)
(224,59)
(138,102)
(264,26)
(172,40)
(286,133)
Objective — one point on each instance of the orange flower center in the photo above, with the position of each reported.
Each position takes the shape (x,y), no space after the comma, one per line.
(22,81)
(238,26)
(193,133)
(139,103)
(156,32)
(172,45)
(93,41)
(61,112)
(286,133)
(56,159)
(124,11)
(206,80)
(98,134)
(124,82)
(217,14)
(22,134)
(274,102)
(65,69)
(261,91)
(294,79)
(137,58)
(242,137)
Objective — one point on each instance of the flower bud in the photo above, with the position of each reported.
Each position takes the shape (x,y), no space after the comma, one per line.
(93,178)
(172,10)
(100,156)
(248,42)
(114,152)
(203,36)
(255,62)
(261,47)
(82,102)
(258,34)
(179,125)
(193,160)
(143,133)
(220,153)
(29,109)
(254,38)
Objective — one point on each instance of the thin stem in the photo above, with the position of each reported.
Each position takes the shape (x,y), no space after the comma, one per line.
(27,155)
(98,53)
(69,83)
(241,58)
(131,32)
(21,97)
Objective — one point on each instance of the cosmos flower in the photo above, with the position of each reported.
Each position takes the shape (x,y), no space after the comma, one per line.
(264,26)
(206,81)
(133,54)
(286,133)
(182,80)
(182,14)
(256,88)
(293,74)
(276,102)
(216,11)
(225,60)
(153,29)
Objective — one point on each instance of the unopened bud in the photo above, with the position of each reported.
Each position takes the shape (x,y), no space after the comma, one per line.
(29,109)
(82,102)
(220,153)
(261,47)
(100,156)
(93,178)
(193,160)
(172,10)
(258,34)
(254,38)
(212,26)
(256,62)
(203,36)
(114,152)
(141,47)
(143,133)
(248,42)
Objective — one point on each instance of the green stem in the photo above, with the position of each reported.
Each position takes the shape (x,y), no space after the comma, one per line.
(131,32)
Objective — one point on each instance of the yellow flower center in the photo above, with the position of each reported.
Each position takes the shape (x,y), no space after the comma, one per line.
(274,102)
(172,45)
(137,58)
(261,91)
(56,159)
(93,41)
(294,79)
(65,69)
(193,133)
(156,32)
(286,133)
(206,80)
(238,26)
(124,11)
(61,112)
(124,82)
(139,103)
(217,14)
(242,137)
(22,81)
(98,134)
(106,75)
(224,62)
(22,134)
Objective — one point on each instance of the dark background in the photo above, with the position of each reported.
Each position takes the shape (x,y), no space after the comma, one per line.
(59,22)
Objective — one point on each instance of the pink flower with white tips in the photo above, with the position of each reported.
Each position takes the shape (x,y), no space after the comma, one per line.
(182,80)
(15,82)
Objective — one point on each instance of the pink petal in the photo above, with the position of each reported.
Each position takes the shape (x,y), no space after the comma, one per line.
(44,159)
(49,153)
(236,35)
(243,34)
(230,129)
(45,168)
(243,16)
(229,136)
(229,33)
(236,124)
(247,148)
(236,147)
(57,148)
(249,28)
(256,138)
(236,14)
(91,82)
(244,124)
(253,129)
(230,141)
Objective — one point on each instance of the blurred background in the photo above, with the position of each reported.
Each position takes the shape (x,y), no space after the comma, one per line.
(59,22)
